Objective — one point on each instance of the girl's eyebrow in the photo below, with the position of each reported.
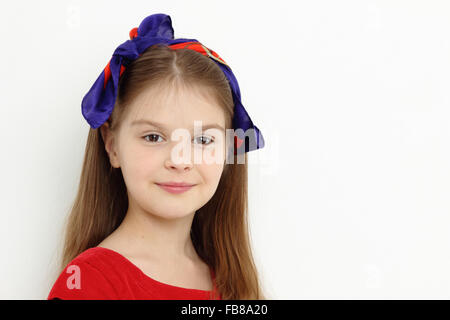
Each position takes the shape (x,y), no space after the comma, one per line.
(162,127)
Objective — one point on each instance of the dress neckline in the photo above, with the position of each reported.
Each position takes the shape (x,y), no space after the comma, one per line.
(145,277)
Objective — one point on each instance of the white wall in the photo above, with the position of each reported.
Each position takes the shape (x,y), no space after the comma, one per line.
(349,198)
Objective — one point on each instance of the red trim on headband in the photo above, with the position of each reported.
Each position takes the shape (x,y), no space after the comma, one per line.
(133,33)
(237,143)
(108,73)
(196,46)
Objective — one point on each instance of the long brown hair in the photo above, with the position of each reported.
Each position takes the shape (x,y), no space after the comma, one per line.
(219,231)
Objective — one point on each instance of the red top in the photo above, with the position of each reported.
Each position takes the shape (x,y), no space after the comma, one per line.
(103,274)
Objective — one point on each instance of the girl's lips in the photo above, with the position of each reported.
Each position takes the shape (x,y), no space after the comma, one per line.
(174,189)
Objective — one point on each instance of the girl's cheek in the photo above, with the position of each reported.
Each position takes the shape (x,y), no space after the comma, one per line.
(214,154)
(211,172)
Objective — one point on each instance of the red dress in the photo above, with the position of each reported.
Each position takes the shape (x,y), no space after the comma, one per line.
(103,274)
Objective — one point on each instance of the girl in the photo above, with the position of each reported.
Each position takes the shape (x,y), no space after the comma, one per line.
(133,231)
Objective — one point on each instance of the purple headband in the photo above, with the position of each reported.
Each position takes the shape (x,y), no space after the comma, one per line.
(98,103)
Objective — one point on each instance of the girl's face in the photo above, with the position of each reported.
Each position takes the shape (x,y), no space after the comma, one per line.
(148,156)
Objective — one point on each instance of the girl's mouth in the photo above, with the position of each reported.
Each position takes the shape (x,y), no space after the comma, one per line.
(175,189)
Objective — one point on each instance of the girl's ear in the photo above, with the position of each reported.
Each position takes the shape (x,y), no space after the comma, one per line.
(108,139)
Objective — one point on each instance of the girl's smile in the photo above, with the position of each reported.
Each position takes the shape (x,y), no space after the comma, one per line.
(175,189)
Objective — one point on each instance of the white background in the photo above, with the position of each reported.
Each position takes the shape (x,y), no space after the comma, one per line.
(350,196)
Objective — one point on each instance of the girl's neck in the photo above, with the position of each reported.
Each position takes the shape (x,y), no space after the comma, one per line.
(150,237)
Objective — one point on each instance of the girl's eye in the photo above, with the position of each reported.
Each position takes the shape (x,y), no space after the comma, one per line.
(204,140)
(152,137)
(208,140)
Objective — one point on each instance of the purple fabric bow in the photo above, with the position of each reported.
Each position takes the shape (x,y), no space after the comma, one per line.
(98,103)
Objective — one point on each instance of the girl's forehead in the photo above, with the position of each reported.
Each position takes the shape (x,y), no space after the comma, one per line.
(176,94)
(175,106)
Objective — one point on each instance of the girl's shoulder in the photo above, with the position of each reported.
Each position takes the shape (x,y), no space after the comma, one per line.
(97,257)
(93,274)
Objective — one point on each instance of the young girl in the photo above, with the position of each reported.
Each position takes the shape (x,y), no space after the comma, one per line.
(133,231)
